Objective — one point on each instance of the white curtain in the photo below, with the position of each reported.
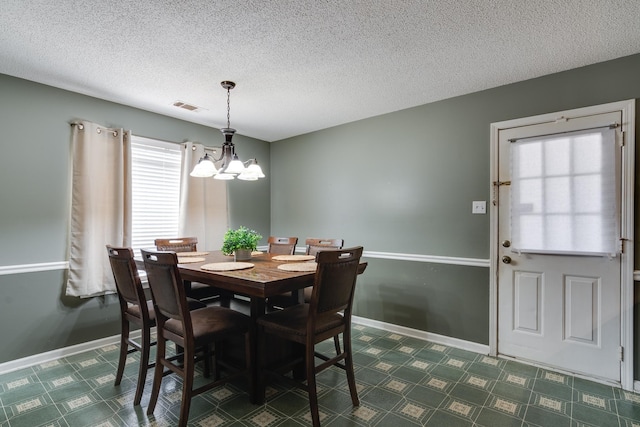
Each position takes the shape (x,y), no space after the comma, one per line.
(100,206)
(203,203)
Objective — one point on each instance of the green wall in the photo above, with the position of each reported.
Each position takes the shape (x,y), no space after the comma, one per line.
(400,183)
(35,316)
(403,183)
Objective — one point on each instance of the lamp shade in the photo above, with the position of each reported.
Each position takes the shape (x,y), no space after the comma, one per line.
(248,175)
(235,167)
(205,168)
(224,176)
(255,168)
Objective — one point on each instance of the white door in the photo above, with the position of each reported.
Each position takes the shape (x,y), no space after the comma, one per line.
(559,244)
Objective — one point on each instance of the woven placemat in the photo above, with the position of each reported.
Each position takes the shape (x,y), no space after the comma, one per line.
(298,266)
(226,266)
(189,260)
(293,257)
(194,253)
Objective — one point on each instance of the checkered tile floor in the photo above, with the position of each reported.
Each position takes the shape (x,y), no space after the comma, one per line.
(402,381)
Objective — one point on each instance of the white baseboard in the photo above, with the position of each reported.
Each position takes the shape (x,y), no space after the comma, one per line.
(423,335)
(37,359)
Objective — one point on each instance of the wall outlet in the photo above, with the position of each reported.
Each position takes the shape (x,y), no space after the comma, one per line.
(479,207)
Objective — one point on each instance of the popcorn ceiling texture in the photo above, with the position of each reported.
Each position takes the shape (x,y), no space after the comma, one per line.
(303,65)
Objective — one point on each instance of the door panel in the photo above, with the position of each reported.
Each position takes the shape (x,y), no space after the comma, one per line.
(559,306)
(581,309)
(527,301)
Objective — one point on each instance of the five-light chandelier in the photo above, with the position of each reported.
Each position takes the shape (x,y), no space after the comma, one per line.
(232,167)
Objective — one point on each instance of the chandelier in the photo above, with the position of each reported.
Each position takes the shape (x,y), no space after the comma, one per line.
(232,167)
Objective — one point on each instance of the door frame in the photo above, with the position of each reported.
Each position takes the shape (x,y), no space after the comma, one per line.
(627,223)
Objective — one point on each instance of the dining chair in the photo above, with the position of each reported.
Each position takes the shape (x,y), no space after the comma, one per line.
(281,245)
(177,244)
(314,246)
(196,290)
(205,328)
(311,323)
(136,310)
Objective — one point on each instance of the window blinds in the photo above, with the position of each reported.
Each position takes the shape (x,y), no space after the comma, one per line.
(155,169)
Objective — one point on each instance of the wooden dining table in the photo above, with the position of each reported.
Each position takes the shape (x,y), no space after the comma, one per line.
(259,282)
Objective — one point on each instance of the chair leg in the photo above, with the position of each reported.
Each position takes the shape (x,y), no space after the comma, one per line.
(144,364)
(157,373)
(124,347)
(311,385)
(348,364)
(187,385)
(208,354)
(336,343)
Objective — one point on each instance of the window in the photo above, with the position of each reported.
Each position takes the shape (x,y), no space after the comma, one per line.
(155,176)
(564,193)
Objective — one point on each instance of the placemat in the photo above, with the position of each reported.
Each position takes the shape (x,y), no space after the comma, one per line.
(194,253)
(189,260)
(226,266)
(255,253)
(298,266)
(293,257)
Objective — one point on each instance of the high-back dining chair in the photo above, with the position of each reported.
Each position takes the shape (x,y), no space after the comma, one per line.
(134,309)
(313,247)
(312,323)
(202,328)
(281,245)
(195,290)
(177,244)
(316,245)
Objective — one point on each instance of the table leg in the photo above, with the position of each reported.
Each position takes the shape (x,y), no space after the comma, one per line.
(297,296)
(258,307)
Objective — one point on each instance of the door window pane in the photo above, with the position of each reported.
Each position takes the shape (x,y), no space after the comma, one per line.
(564,193)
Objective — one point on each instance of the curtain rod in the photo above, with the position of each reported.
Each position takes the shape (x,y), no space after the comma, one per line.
(99,128)
(214,148)
(611,126)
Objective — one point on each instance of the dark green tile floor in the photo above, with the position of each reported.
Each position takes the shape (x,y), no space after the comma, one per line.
(402,381)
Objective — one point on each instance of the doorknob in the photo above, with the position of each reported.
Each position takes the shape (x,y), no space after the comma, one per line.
(506,243)
(506,259)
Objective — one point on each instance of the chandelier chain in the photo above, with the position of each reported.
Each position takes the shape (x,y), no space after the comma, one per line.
(228,107)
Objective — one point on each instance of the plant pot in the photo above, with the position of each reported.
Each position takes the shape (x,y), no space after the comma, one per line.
(242,255)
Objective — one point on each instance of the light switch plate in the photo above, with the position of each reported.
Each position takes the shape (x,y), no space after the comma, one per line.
(479,207)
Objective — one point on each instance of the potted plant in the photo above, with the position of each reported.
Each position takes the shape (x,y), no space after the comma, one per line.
(240,243)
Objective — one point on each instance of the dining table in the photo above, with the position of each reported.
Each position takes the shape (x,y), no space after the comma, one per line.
(261,277)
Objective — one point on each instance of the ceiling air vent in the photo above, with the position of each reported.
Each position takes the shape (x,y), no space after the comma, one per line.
(186,106)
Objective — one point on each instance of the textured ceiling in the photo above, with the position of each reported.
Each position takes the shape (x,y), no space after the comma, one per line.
(305,65)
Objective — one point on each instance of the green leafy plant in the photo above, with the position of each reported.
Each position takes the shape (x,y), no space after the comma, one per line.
(242,238)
